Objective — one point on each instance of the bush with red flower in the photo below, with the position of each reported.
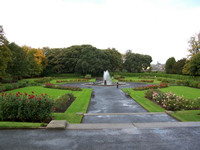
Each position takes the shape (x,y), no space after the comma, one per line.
(141,88)
(25,107)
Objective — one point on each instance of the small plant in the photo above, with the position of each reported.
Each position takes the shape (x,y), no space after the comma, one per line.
(49,85)
(63,102)
(88,76)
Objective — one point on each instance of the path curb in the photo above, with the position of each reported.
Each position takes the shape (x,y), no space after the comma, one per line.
(97,126)
(57,124)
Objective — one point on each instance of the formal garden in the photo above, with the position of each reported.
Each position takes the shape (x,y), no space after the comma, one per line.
(38,85)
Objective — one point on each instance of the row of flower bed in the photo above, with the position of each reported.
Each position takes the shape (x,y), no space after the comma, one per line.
(24,107)
(141,88)
(171,101)
(130,80)
(75,80)
(50,85)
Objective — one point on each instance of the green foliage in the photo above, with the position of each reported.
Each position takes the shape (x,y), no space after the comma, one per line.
(43,80)
(194,45)
(88,76)
(116,76)
(136,62)
(18,67)
(50,85)
(19,107)
(115,59)
(178,66)
(169,65)
(173,102)
(195,65)
(63,102)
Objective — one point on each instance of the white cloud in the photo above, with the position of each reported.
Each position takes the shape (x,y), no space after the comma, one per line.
(158,28)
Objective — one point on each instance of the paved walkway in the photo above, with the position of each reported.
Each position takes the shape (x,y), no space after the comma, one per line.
(110,99)
(107,139)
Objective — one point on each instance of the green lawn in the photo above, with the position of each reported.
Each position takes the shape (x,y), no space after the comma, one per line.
(187,92)
(79,105)
(188,115)
(54,81)
(138,96)
(136,79)
(6,124)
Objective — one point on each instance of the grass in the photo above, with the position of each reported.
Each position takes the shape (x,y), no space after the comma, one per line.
(187,92)
(189,115)
(136,79)
(54,81)
(79,105)
(138,96)
(6,124)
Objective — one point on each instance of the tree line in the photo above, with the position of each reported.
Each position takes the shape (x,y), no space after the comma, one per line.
(19,62)
(187,66)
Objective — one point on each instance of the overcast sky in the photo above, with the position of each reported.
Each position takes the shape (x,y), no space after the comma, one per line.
(160,28)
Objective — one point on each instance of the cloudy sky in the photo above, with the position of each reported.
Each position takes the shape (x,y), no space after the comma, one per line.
(160,28)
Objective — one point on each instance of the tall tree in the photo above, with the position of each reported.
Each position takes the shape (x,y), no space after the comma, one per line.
(136,62)
(169,65)
(5,53)
(178,66)
(93,61)
(115,59)
(194,44)
(195,65)
(18,68)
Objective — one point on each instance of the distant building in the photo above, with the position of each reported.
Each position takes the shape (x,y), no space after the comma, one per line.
(158,67)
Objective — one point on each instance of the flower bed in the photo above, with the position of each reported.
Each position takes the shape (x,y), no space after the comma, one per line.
(50,85)
(171,101)
(149,81)
(163,85)
(75,80)
(24,107)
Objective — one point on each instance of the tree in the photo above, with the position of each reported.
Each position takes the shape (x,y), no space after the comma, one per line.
(115,59)
(169,65)
(194,44)
(93,61)
(136,62)
(195,65)
(18,67)
(5,53)
(178,66)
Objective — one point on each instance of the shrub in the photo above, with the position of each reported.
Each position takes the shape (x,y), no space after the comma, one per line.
(171,101)
(63,102)
(116,76)
(149,81)
(162,85)
(180,82)
(24,107)
(22,84)
(2,88)
(9,87)
(49,85)
(43,80)
(88,76)
(7,80)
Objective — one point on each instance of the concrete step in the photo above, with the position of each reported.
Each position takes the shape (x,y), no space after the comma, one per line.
(97,126)
(103,114)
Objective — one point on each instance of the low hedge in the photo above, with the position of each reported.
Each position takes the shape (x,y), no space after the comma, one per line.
(50,85)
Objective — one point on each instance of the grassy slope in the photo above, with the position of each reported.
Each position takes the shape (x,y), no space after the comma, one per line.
(138,96)
(187,92)
(189,115)
(79,105)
